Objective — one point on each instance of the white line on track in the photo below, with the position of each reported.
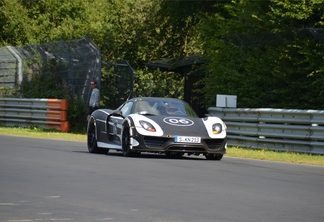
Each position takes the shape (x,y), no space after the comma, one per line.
(7,204)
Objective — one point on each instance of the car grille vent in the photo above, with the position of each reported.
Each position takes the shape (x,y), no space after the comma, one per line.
(187,149)
(154,142)
(214,144)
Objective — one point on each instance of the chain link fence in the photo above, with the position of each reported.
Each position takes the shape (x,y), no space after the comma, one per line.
(76,62)
(117,83)
(8,67)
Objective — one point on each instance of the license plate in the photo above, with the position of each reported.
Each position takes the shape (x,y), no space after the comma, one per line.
(186,139)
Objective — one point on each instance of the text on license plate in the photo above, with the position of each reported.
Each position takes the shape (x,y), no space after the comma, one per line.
(186,139)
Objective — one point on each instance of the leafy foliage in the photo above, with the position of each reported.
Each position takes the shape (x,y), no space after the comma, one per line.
(268,53)
(159,84)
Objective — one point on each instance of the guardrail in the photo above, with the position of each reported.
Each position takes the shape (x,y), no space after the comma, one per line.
(275,129)
(44,113)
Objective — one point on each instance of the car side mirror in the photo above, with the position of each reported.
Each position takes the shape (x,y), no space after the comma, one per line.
(117,113)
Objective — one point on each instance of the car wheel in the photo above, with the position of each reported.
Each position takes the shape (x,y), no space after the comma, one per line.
(91,139)
(126,141)
(210,156)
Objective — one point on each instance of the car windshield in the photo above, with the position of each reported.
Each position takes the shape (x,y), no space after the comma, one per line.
(165,107)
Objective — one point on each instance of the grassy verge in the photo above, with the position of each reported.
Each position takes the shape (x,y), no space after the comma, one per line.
(270,155)
(41,133)
(289,157)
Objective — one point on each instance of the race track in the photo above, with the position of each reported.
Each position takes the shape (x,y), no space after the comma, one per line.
(54,180)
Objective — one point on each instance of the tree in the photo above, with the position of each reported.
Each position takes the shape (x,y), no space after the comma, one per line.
(123,30)
(260,51)
(33,22)
(178,26)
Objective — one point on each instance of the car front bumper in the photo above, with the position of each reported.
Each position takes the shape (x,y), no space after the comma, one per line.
(167,144)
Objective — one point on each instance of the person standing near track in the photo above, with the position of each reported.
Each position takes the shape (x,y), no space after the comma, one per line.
(94,102)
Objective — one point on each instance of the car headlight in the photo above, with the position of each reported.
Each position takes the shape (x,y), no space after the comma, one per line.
(147,126)
(217,128)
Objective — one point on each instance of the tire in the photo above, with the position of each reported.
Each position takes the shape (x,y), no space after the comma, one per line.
(92,140)
(210,156)
(126,141)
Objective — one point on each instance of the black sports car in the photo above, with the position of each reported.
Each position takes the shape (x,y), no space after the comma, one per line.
(159,125)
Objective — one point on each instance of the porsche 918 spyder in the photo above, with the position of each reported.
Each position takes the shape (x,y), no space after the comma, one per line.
(158,125)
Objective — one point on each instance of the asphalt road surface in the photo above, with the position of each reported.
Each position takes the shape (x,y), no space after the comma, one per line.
(54,180)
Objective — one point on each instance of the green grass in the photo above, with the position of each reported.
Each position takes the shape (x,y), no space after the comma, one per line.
(289,157)
(42,133)
(270,155)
